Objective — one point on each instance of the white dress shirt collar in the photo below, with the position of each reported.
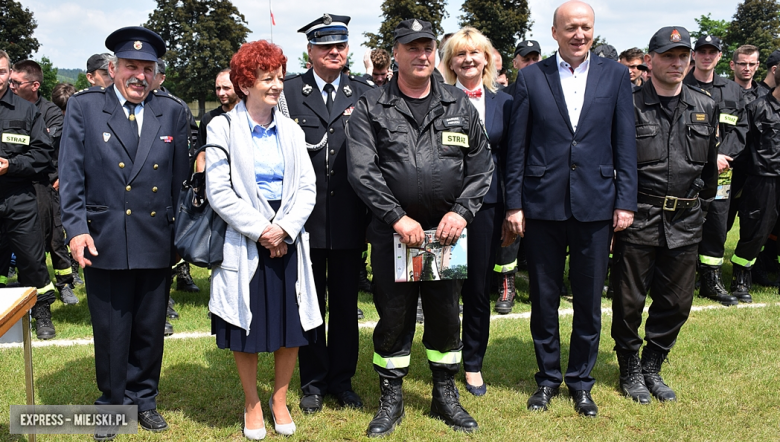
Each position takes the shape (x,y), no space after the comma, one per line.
(321,86)
(479,102)
(573,82)
(139,111)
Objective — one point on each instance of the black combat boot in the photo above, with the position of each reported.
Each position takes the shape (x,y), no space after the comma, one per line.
(741,283)
(712,286)
(44,328)
(651,367)
(446,403)
(184,282)
(632,382)
(506,293)
(168,330)
(391,408)
(364,285)
(171,312)
(74,266)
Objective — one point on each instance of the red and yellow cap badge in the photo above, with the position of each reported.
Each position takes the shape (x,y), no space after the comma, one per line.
(138,45)
(675,37)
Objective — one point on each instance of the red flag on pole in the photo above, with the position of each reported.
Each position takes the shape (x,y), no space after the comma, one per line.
(273,20)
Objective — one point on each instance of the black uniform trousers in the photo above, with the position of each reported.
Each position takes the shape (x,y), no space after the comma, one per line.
(714,232)
(396,303)
(669,275)
(588,244)
(738,179)
(128,317)
(507,257)
(53,233)
(328,365)
(484,235)
(757,217)
(21,230)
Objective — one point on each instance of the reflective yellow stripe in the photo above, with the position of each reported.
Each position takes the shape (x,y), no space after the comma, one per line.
(729,119)
(507,268)
(3,280)
(742,261)
(63,272)
(48,288)
(710,260)
(452,357)
(392,362)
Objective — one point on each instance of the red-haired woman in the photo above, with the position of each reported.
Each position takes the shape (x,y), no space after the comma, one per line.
(262,294)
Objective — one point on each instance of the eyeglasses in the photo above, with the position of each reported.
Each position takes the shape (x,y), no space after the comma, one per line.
(746,64)
(633,66)
(15,83)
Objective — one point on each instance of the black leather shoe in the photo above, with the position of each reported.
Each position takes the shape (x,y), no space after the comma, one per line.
(583,403)
(151,420)
(360,314)
(311,403)
(168,329)
(171,312)
(349,399)
(105,436)
(541,398)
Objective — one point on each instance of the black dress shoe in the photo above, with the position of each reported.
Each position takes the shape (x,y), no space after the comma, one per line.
(151,420)
(105,436)
(168,329)
(311,403)
(541,398)
(583,403)
(349,399)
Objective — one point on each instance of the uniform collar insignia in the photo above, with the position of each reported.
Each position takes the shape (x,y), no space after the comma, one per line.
(106,136)
(347,91)
(306,89)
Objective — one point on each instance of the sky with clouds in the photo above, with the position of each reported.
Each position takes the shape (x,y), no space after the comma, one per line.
(69,31)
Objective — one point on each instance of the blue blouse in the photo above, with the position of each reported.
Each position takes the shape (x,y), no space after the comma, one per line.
(269,162)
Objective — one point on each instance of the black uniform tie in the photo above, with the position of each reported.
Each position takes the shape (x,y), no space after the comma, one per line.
(329,100)
(132,145)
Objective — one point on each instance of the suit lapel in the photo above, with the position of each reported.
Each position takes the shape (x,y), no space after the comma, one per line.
(118,121)
(591,85)
(314,100)
(149,132)
(342,101)
(550,69)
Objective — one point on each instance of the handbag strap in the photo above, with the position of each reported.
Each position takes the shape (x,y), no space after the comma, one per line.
(195,154)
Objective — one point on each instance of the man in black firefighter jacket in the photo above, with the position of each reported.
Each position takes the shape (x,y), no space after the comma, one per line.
(677,158)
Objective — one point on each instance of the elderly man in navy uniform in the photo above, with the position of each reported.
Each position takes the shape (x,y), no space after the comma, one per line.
(123,157)
(321,101)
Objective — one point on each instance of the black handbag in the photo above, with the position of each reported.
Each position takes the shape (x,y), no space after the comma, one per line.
(199,232)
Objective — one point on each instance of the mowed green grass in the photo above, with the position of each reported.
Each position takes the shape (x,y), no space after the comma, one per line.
(724,368)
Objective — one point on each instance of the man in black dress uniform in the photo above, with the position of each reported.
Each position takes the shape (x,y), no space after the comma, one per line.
(321,101)
(123,157)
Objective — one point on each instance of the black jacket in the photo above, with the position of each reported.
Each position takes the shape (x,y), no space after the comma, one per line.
(398,168)
(339,218)
(670,156)
(52,118)
(732,122)
(25,143)
(755,91)
(763,145)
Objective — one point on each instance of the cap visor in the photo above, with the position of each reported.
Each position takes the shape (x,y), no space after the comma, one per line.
(525,51)
(406,39)
(329,39)
(671,46)
(136,55)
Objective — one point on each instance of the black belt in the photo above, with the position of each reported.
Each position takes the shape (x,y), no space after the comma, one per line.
(668,203)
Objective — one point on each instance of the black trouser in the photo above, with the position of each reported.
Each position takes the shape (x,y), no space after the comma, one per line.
(546,243)
(484,235)
(713,242)
(757,217)
(669,276)
(21,231)
(328,366)
(738,179)
(53,234)
(396,303)
(128,317)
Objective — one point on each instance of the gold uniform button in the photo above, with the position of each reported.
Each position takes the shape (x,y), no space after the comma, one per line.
(154,189)
(121,165)
(156,166)
(127,188)
(332,151)
(153,213)
(129,211)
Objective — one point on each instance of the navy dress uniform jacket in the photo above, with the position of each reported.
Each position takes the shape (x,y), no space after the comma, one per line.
(339,218)
(126,204)
(554,173)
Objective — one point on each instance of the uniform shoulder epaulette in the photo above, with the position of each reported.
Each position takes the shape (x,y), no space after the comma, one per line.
(100,89)
(291,77)
(162,93)
(700,90)
(360,79)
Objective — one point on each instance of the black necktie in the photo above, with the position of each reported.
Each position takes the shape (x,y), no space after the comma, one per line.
(132,145)
(329,100)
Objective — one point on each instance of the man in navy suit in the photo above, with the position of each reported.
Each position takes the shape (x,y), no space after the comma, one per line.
(571,180)
(123,157)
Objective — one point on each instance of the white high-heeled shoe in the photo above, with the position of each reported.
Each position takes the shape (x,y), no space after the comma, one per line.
(285,429)
(258,434)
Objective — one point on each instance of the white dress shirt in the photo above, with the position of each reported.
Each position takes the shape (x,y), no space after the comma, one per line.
(321,86)
(478,103)
(573,83)
(139,110)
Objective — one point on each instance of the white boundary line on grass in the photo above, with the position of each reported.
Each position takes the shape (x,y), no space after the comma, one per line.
(372,324)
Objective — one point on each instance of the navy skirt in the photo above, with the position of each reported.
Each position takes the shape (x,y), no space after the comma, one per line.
(274,306)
